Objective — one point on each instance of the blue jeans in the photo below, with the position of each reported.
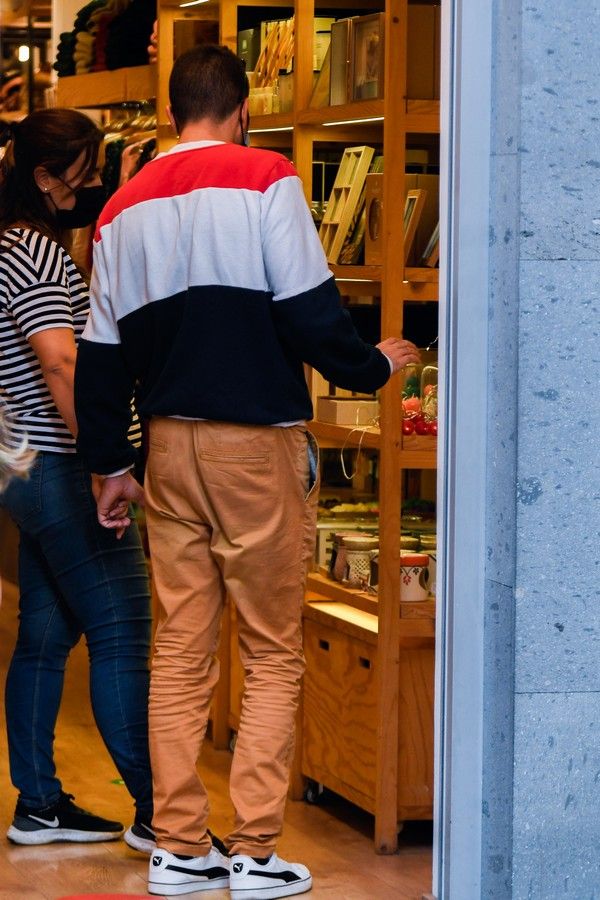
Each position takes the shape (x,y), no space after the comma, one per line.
(76,578)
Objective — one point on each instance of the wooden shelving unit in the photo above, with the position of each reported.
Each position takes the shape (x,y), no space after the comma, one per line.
(367,729)
(96,90)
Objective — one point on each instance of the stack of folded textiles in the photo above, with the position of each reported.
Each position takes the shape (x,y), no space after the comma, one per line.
(107,34)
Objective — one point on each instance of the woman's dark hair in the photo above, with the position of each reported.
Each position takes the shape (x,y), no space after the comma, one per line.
(208,81)
(54,139)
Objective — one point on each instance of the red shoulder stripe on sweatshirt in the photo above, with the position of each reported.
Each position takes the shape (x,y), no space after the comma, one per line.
(216,166)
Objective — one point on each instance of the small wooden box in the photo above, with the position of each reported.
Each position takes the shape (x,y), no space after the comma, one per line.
(374,219)
(347,410)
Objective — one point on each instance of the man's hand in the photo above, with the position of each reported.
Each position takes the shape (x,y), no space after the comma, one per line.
(116,493)
(400,352)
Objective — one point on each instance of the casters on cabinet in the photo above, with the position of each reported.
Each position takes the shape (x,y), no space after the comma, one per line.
(313,792)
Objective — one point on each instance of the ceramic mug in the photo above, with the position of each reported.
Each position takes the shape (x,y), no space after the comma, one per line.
(414,577)
(358,567)
(431,582)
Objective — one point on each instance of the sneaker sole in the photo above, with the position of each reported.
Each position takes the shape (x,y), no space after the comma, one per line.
(189,887)
(48,836)
(144,845)
(266,893)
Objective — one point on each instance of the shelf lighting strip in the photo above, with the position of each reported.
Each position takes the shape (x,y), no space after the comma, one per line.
(192,3)
(355,121)
(263,130)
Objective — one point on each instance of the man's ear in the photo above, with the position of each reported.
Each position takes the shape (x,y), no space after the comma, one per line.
(171,119)
(245,114)
(42,178)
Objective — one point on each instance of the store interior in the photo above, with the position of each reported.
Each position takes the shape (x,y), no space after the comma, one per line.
(350,92)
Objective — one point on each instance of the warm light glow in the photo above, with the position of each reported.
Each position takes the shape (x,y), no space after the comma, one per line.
(192,3)
(262,130)
(356,121)
(23,53)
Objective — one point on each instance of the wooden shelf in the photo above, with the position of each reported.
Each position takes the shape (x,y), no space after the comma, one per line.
(356,273)
(422,275)
(421,116)
(344,113)
(333,590)
(418,459)
(96,90)
(273,122)
(346,435)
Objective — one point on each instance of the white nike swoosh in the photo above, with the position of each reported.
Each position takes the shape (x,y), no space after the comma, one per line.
(50,824)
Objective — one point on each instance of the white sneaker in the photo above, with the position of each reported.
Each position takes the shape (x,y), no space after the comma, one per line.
(250,880)
(168,874)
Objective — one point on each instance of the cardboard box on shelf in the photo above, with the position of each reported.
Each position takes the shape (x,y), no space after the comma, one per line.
(347,410)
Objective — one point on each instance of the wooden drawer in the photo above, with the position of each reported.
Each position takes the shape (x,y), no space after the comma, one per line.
(339,712)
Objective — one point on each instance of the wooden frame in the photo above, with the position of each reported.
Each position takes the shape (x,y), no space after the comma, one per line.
(344,202)
(431,254)
(413,206)
(368,39)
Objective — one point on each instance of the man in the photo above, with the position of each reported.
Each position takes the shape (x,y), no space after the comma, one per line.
(210,290)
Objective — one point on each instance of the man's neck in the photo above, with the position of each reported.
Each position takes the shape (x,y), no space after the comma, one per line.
(207,130)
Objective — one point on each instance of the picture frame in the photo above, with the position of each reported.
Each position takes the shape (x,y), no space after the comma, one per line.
(413,207)
(368,33)
(340,52)
(431,254)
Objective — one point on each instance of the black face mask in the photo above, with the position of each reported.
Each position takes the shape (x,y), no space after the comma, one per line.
(88,206)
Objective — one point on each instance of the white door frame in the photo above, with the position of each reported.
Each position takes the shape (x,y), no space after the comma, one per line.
(464,288)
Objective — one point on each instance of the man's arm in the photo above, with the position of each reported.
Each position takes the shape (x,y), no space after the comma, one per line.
(307,310)
(103,383)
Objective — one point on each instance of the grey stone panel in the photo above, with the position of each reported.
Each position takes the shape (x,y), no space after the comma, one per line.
(558,487)
(560,123)
(503,358)
(497,793)
(506,25)
(556,797)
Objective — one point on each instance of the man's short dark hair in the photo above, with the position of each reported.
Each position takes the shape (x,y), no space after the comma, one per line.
(208,81)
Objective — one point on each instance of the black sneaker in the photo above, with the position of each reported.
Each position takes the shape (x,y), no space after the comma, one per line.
(63,821)
(140,835)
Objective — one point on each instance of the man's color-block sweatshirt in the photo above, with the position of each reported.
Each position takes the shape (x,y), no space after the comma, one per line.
(210,290)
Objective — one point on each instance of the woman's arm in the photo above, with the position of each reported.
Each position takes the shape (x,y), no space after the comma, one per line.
(56,350)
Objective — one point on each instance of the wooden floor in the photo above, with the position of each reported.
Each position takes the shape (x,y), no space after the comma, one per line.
(334,839)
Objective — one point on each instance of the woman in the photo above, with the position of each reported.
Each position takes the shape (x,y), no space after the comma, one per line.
(75,576)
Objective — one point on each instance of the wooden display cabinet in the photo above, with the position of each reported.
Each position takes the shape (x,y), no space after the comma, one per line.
(366,729)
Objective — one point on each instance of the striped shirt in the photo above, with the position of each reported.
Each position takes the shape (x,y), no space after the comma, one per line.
(40,288)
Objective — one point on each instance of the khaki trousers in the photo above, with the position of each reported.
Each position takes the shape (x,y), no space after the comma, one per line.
(231,510)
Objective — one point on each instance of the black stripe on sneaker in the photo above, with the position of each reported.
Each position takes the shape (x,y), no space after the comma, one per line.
(215,872)
(288,877)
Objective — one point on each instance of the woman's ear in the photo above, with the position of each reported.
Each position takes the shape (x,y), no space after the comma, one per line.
(42,178)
